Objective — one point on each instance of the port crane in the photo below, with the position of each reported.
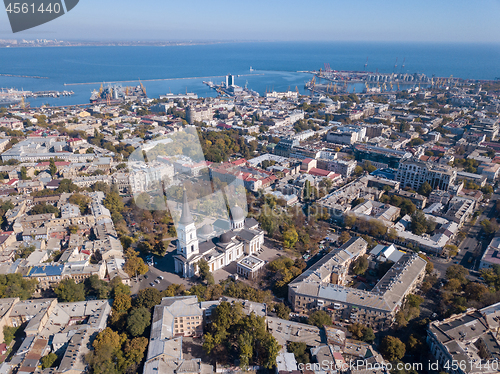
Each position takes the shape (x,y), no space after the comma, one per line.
(366,64)
(142,87)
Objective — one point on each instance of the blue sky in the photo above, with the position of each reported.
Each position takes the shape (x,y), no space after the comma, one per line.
(273,20)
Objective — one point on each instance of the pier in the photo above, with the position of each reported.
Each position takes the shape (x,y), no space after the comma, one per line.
(153,80)
(23,76)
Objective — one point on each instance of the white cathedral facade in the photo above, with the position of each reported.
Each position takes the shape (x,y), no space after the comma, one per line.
(241,237)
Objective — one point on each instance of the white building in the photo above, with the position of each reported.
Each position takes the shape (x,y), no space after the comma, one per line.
(243,238)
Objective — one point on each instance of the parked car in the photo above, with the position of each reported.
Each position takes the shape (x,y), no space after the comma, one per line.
(157,281)
(160,277)
(152,284)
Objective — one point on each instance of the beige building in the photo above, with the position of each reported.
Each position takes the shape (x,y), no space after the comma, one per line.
(322,287)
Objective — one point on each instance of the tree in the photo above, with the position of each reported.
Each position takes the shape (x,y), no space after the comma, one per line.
(43,209)
(290,237)
(97,287)
(68,291)
(414,300)
(134,265)
(319,318)
(82,201)
(368,335)
(282,311)
(349,220)
(24,174)
(360,265)
(134,349)
(48,360)
(66,185)
(458,272)
(148,298)
(489,227)
(122,303)
(451,249)
(52,167)
(272,348)
(420,224)
(138,320)
(205,273)
(392,348)
(9,332)
(344,237)
(453,285)
(475,291)
(429,267)
(299,350)
(356,329)
(401,321)
(425,189)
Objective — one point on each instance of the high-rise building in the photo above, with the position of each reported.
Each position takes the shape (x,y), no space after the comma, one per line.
(413,173)
(229,80)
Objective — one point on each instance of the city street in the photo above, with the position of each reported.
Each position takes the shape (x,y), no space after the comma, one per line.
(164,266)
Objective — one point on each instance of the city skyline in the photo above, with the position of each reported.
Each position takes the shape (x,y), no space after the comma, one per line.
(390,21)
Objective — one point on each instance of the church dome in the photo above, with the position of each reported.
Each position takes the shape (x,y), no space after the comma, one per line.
(226,238)
(237,213)
(206,229)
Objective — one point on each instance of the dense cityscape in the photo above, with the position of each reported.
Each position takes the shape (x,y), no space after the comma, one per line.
(322,233)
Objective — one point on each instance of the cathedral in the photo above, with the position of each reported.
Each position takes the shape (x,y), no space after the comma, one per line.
(218,244)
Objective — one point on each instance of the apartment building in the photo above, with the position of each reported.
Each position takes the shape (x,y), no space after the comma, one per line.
(322,287)
(413,173)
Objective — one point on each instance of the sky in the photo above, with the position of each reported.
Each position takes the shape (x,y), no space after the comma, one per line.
(272,20)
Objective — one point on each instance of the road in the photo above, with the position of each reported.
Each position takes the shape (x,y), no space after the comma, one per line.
(163,266)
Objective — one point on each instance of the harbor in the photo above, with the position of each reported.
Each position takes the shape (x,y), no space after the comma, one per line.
(11,96)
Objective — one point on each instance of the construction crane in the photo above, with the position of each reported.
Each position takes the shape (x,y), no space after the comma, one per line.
(396,64)
(22,104)
(100,90)
(297,89)
(142,87)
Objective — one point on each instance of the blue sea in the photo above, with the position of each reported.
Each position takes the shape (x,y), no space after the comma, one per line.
(275,65)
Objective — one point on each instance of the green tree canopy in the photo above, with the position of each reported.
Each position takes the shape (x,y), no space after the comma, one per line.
(148,298)
(138,320)
(392,348)
(319,318)
(68,291)
(300,352)
(425,189)
(48,360)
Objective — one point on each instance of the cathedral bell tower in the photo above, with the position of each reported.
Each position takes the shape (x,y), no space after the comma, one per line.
(187,241)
